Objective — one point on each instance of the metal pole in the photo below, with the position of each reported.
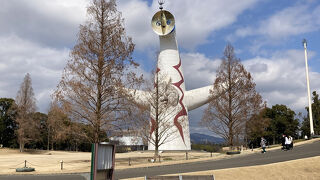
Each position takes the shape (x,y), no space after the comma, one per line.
(308,86)
(61,162)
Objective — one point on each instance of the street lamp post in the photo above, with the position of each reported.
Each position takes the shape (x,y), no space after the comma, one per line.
(309,97)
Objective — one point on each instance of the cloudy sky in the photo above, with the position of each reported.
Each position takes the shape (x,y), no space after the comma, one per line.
(36,37)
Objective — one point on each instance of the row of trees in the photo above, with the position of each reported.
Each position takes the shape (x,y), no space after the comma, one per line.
(272,123)
(35,130)
(39,130)
(57,131)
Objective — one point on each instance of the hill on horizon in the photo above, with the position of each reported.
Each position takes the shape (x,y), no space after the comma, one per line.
(198,138)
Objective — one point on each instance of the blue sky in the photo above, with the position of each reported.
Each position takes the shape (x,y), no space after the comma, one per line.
(36,37)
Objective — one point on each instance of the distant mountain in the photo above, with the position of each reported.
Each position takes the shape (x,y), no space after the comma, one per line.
(198,138)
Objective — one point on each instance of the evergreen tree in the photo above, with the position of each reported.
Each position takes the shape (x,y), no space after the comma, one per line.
(8,125)
(282,121)
(316,116)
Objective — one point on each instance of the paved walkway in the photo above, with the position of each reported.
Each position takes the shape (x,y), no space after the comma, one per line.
(303,151)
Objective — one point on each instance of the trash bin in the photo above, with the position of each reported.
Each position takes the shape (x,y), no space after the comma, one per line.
(102,161)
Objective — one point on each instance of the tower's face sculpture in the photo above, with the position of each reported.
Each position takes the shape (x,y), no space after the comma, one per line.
(163,23)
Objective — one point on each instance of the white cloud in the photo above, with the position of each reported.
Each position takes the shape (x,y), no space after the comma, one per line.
(195,20)
(281,78)
(55,23)
(51,23)
(290,21)
(199,71)
(20,56)
(137,17)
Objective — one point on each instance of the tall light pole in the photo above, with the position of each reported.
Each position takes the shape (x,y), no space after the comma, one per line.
(304,41)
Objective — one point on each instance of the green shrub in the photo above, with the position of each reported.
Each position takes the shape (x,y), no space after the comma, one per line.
(207,147)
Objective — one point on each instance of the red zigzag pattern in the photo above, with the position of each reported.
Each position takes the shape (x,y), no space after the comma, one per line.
(183,111)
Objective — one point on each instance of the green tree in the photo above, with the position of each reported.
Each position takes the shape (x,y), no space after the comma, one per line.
(8,124)
(282,121)
(257,127)
(305,128)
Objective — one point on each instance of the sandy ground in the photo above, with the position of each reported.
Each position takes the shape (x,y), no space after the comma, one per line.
(46,162)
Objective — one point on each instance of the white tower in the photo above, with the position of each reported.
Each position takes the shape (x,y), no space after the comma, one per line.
(169,67)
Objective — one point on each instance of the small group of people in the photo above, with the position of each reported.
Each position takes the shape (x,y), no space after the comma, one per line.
(287,142)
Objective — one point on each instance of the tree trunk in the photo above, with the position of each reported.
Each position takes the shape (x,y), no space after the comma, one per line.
(21,146)
(48,145)
(156,152)
(230,138)
(274,139)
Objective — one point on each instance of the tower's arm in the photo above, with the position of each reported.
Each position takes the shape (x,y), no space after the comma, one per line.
(197,97)
(138,96)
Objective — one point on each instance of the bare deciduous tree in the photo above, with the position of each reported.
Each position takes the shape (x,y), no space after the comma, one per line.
(97,71)
(26,104)
(234,99)
(58,124)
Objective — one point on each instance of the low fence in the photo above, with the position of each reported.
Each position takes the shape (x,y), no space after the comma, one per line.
(181,177)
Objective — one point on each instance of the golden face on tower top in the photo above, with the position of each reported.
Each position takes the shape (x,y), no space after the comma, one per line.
(162,22)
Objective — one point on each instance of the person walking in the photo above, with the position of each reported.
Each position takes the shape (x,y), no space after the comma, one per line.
(283,142)
(291,142)
(263,144)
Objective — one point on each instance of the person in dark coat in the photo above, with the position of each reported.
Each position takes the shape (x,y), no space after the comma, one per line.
(283,142)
